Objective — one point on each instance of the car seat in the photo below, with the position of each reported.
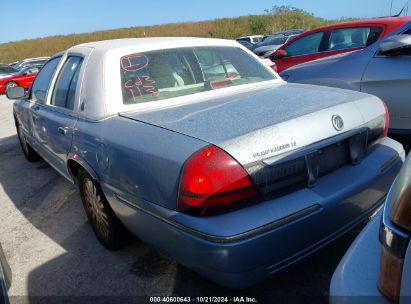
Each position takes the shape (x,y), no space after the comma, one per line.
(163,74)
(337,41)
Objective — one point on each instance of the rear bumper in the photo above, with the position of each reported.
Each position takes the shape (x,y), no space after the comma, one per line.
(240,248)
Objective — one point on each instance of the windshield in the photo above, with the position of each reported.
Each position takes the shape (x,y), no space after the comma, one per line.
(177,72)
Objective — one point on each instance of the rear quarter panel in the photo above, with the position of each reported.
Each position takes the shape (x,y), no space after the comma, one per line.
(135,160)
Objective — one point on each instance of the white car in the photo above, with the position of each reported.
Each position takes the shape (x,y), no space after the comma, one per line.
(252,39)
(29,62)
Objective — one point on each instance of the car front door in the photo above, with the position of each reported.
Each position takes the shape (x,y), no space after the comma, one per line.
(303,49)
(58,116)
(389,77)
(28,113)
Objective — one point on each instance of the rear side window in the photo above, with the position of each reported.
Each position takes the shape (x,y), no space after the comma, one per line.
(347,38)
(305,45)
(41,83)
(65,88)
(177,72)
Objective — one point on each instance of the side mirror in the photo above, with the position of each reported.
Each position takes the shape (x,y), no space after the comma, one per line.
(280,54)
(395,44)
(16,93)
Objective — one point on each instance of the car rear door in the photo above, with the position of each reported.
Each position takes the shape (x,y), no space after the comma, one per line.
(58,117)
(389,77)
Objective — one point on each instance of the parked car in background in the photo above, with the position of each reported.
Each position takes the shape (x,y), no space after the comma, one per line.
(30,62)
(6,70)
(5,277)
(22,78)
(270,44)
(381,69)
(273,41)
(200,149)
(247,44)
(252,39)
(380,271)
(334,39)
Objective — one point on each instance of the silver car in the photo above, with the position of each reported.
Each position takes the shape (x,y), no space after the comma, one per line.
(382,69)
(267,47)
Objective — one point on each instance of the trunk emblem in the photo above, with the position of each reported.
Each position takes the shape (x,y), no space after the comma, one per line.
(338,122)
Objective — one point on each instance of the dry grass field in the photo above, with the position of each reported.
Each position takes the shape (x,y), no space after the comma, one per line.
(276,19)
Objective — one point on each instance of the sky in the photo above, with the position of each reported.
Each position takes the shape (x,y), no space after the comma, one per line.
(40,18)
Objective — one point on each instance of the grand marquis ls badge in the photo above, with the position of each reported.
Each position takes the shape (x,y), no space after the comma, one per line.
(338,122)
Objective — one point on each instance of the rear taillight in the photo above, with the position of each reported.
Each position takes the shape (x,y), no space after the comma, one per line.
(213,182)
(387,121)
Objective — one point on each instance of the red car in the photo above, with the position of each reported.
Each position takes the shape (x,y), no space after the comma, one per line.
(334,39)
(23,78)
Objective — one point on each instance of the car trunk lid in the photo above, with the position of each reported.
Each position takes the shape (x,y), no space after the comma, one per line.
(278,132)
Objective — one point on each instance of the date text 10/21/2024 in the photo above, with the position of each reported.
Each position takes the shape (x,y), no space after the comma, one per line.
(203,300)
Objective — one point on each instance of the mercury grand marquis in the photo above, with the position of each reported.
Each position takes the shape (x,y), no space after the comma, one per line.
(197,147)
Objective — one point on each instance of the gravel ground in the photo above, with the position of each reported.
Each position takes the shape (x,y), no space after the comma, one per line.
(55,257)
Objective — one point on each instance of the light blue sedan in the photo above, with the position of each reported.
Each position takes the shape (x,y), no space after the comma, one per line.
(197,147)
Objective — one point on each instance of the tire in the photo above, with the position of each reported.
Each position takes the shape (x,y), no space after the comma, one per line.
(29,153)
(10,85)
(107,227)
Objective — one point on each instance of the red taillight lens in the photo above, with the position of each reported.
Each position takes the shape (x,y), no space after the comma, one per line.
(387,121)
(213,182)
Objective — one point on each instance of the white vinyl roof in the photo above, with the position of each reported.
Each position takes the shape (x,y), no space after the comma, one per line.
(154,43)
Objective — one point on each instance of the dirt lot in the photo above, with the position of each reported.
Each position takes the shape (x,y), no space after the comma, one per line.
(55,257)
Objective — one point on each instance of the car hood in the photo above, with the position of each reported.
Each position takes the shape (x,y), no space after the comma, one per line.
(247,123)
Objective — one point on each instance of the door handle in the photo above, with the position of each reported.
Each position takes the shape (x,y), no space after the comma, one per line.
(62,130)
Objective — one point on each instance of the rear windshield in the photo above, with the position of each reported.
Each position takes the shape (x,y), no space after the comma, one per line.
(171,73)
